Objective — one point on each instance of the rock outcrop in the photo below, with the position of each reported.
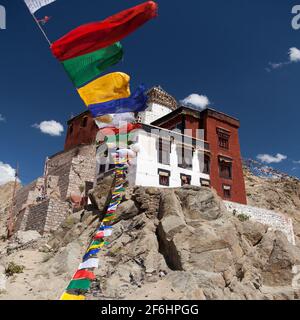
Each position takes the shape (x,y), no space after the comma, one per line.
(282,195)
(167,244)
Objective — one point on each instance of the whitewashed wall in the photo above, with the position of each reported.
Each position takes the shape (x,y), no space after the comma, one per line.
(147,165)
(275,220)
(154,111)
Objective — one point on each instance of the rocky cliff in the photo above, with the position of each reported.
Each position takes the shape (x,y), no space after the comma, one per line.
(167,244)
(280,194)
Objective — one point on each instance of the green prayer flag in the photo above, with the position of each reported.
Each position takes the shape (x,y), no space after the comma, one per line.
(120,137)
(87,67)
(82,284)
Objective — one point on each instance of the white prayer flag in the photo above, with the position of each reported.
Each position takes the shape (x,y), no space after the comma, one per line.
(89,264)
(35,5)
(107,233)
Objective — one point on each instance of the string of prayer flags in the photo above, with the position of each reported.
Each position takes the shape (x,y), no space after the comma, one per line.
(137,102)
(98,35)
(85,68)
(81,281)
(109,87)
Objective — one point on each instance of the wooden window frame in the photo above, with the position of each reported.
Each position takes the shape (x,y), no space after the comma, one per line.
(167,174)
(227,188)
(185,175)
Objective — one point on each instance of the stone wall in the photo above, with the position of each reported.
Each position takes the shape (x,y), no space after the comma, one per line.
(83,169)
(47,215)
(274,220)
(67,172)
(74,168)
(37,215)
(56,214)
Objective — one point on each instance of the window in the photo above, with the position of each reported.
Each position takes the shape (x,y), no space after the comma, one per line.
(185,157)
(102,168)
(206,168)
(164,151)
(71,128)
(225,168)
(103,161)
(226,191)
(179,127)
(205,183)
(185,179)
(223,137)
(164,177)
(84,122)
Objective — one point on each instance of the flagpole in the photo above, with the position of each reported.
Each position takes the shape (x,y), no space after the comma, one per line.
(36,21)
(39,25)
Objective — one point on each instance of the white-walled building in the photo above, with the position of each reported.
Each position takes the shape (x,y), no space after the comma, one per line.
(159,161)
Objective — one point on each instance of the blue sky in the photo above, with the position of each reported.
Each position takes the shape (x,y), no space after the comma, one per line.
(220,49)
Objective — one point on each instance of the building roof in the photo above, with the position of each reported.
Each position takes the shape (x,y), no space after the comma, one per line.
(158,95)
(80,115)
(197,113)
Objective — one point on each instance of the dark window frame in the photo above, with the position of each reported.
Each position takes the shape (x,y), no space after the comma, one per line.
(166,184)
(223,139)
(228,165)
(164,151)
(181,155)
(71,129)
(202,185)
(227,192)
(189,177)
(84,122)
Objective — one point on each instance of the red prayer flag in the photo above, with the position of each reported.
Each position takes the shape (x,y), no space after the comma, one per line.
(99,235)
(84,274)
(97,35)
(110,131)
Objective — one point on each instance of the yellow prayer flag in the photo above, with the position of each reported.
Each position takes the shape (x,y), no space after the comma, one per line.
(96,246)
(112,86)
(67,296)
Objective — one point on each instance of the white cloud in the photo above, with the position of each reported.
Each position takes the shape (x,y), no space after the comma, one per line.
(7,173)
(53,128)
(1,118)
(296,162)
(196,100)
(267,158)
(294,55)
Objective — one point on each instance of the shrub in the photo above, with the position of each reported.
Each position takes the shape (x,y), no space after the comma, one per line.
(13,268)
(243,217)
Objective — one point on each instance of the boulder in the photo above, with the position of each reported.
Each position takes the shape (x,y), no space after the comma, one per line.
(24,237)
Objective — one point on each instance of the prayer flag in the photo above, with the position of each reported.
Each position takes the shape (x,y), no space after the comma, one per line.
(89,264)
(98,35)
(35,5)
(82,284)
(109,87)
(85,68)
(90,253)
(135,103)
(84,274)
(67,296)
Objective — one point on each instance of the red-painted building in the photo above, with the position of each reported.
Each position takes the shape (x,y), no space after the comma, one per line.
(223,162)
(221,132)
(82,130)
